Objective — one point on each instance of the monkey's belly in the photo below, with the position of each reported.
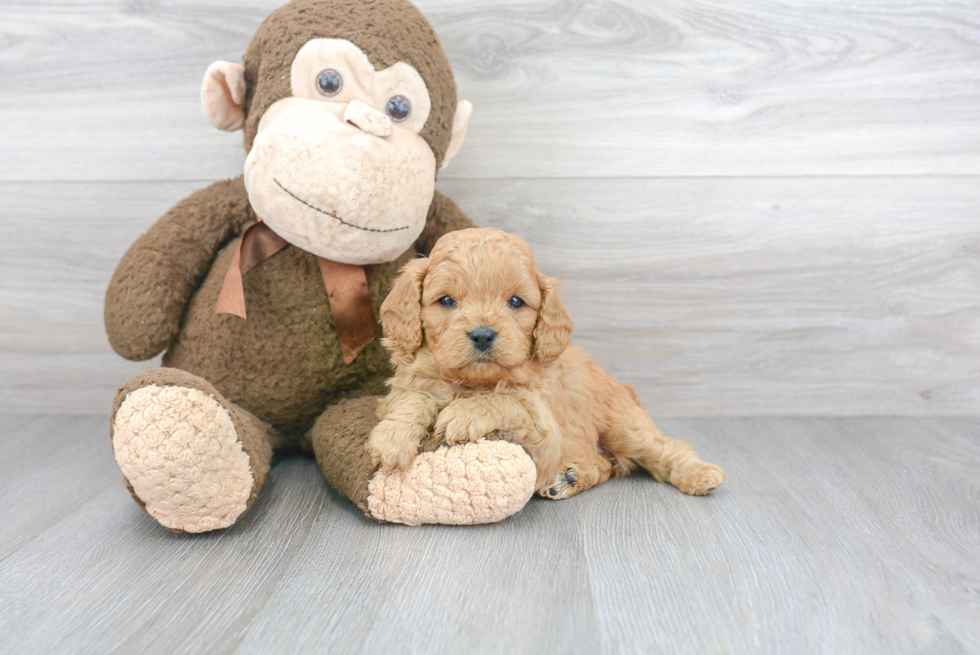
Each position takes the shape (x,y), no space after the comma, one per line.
(283,363)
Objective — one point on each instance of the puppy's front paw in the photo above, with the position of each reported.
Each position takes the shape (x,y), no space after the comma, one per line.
(698,479)
(455,425)
(394,444)
(470,419)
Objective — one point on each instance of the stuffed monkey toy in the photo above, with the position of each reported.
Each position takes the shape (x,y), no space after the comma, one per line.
(263,291)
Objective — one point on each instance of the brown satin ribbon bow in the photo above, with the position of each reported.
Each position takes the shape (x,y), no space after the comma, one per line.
(347,289)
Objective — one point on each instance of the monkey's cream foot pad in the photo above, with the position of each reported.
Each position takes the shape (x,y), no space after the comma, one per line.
(179,449)
(481,482)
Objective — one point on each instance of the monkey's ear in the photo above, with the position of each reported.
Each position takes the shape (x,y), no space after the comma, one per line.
(401,313)
(223,95)
(461,121)
(553,331)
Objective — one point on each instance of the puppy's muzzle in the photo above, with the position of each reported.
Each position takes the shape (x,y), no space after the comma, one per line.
(482,338)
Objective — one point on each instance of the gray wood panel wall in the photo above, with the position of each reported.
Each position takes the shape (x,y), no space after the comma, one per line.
(758,207)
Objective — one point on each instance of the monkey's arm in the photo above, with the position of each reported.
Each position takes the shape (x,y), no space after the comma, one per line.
(444,217)
(154,281)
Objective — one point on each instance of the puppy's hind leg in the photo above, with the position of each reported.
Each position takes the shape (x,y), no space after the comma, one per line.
(578,475)
(633,438)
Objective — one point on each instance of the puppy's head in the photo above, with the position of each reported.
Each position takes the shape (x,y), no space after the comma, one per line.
(479,305)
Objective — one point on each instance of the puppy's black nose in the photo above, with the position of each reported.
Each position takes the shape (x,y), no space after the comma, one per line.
(483,337)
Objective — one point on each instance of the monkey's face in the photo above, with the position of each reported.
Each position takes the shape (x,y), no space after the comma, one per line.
(339,168)
(340,164)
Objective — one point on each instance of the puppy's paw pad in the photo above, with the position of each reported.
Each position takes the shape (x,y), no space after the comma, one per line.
(700,480)
(562,487)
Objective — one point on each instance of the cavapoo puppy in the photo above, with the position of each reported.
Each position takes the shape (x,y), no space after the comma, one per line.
(481,340)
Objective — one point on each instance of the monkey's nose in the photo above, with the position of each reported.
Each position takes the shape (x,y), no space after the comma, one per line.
(367,119)
(482,337)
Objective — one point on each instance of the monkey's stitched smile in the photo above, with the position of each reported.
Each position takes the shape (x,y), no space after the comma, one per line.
(339,220)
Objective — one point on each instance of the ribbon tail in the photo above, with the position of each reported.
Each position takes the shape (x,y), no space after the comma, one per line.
(231,300)
(351,306)
(257,244)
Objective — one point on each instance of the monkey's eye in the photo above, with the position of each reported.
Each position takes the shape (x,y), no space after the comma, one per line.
(329,82)
(447,301)
(515,303)
(399,108)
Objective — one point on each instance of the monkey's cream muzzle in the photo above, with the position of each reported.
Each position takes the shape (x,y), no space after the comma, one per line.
(340,180)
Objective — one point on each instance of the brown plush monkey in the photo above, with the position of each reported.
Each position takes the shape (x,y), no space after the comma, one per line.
(263,291)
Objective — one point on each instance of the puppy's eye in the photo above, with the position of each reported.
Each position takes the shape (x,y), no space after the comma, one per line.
(515,303)
(329,82)
(447,301)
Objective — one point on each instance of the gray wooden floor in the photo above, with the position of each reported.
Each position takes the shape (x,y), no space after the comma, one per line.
(830,536)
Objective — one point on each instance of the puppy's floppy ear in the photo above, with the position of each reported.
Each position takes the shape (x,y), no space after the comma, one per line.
(401,313)
(553,331)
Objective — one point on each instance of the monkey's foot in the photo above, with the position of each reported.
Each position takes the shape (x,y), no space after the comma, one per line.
(182,457)
(481,482)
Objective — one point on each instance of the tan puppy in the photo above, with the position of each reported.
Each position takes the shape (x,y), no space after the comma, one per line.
(480,339)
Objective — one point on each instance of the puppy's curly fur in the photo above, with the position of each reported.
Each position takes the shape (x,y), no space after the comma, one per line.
(481,341)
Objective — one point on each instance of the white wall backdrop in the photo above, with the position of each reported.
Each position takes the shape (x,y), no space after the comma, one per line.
(758,207)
